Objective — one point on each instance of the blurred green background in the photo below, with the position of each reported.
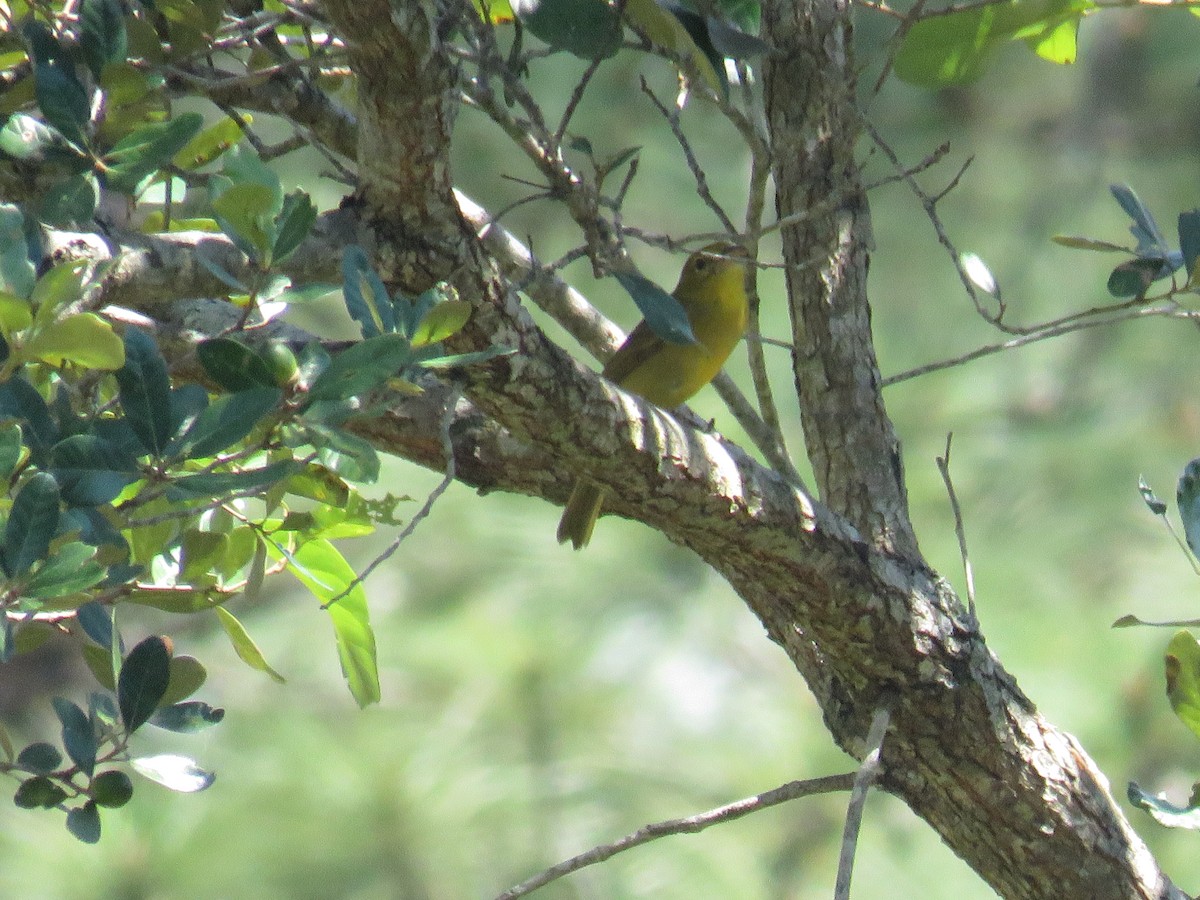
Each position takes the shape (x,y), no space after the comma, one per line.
(538,701)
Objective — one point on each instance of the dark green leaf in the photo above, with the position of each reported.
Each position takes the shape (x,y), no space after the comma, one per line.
(187,717)
(590,29)
(112,789)
(10,450)
(732,42)
(148,149)
(293,224)
(103,37)
(188,402)
(17,271)
(227,420)
(70,203)
(373,313)
(208,485)
(90,471)
(350,456)
(1132,278)
(96,622)
(61,97)
(1145,230)
(39,792)
(1187,498)
(362,367)
(32,523)
(78,735)
(70,570)
(1189,240)
(145,391)
(144,676)
(663,313)
(40,758)
(20,400)
(84,822)
(233,365)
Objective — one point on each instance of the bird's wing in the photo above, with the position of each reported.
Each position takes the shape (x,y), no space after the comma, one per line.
(641,344)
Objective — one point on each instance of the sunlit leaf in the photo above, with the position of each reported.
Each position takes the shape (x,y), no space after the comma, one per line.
(244,645)
(179,773)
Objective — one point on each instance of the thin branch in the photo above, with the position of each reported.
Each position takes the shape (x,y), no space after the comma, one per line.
(864,778)
(943,464)
(426,507)
(688,825)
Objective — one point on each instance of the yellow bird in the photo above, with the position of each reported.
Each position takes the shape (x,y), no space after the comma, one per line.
(712,292)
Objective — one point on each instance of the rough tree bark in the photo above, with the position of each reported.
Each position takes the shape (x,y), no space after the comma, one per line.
(840,584)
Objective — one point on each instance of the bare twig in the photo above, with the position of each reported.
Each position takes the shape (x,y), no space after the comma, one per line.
(943,464)
(867,772)
(688,825)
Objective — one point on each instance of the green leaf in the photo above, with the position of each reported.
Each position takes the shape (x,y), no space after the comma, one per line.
(1182,663)
(1187,498)
(188,717)
(112,789)
(233,365)
(209,144)
(39,792)
(209,485)
(589,29)
(83,339)
(84,822)
(445,319)
(96,621)
(63,100)
(143,152)
(175,772)
(32,524)
(244,645)
(90,470)
(59,286)
(663,313)
(103,38)
(362,367)
(1084,243)
(144,677)
(1189,241)
(346,454)
(373,310)
(40,758)
(16,268)
(70,203)
(69,571)
(145,391)
(10,450)
(99,663)
(28,139)
(293,224)
(20,400)
(200,553)
(324,571)
(78,735)
(454,360)
(1133,277)
(187,676)
(1149,237)
(226,421)
(245,213)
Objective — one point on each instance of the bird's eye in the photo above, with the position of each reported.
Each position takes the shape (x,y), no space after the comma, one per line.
(702,263)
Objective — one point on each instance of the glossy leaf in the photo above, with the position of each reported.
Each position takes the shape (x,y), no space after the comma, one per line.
(324,571)
(209,144)
(144,677)
(31,524)
(233,365)
(215,483)
(226,421)
(83,339)
(90,470)
(78,735)
(445,319)
(175,772)
(28,139)
(61,97)
(145,391)
(366,297)
(1145,230)
(244,645)
(16,269)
